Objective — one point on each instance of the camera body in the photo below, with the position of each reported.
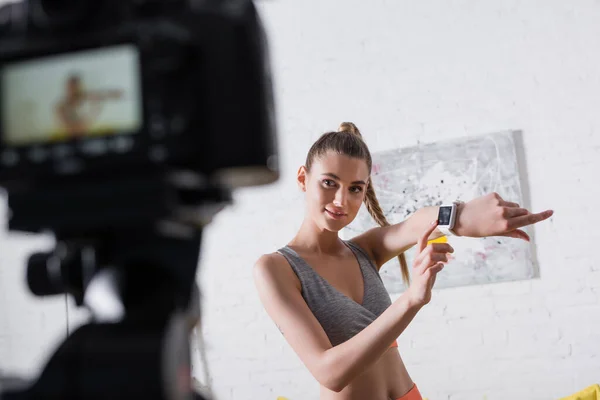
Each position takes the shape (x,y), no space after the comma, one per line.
(102,92)
(124,127)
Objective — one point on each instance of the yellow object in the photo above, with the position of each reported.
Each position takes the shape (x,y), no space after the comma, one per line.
(282,398)
(443,239)
(589,393)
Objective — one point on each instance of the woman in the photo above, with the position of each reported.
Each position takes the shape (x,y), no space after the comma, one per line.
(70,110)
(325,294)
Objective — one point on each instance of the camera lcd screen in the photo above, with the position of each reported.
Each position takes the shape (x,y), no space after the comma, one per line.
(80,94)
(444,215)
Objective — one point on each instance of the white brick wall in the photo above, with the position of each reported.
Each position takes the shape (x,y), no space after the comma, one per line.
(409,72)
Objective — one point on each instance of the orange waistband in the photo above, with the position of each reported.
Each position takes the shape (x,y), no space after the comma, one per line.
(413,394)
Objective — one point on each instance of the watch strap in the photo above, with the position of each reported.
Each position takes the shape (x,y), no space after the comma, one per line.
(446,231)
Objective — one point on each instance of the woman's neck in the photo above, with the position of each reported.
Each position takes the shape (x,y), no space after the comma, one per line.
(314,239)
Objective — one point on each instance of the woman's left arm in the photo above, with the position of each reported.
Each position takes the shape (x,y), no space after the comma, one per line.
(487,215)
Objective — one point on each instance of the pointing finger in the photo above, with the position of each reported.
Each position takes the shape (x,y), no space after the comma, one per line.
(530,219)
(422,243)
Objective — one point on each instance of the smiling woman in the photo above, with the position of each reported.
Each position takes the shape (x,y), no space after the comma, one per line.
(326,295)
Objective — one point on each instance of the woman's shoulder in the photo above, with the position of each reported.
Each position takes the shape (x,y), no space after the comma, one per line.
(269,260)
(275,269)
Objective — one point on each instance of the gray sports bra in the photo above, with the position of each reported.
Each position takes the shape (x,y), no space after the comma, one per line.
(340,316)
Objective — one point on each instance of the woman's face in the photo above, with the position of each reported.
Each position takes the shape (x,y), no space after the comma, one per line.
(335,189)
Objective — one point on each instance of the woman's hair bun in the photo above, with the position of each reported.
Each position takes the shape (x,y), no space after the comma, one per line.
(349,127)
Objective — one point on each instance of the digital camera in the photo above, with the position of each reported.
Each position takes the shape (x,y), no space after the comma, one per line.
(110,103)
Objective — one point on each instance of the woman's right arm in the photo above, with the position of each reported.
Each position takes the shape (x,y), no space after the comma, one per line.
(335,367)
(354,356)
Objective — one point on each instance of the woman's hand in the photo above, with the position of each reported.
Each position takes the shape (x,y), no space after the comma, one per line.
(490,215)
(430,260)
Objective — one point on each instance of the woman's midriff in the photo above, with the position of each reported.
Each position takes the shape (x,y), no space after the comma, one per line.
(384,380)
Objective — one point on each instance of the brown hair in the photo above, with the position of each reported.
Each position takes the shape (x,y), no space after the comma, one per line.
(348,141)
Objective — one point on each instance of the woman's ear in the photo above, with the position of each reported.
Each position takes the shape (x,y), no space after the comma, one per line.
(301,178)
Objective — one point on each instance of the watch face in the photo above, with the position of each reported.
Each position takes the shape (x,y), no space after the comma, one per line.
(444,215)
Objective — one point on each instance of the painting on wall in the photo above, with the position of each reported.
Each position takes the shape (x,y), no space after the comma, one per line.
(408,179)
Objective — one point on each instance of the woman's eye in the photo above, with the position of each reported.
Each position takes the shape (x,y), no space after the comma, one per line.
(328,182)
(356,189)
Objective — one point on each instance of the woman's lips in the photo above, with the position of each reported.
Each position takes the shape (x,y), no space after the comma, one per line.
(335,215)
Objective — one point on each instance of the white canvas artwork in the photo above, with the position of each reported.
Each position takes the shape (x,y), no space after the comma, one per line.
(408,179)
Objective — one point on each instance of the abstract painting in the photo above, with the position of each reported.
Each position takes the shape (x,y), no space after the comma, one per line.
(432,174)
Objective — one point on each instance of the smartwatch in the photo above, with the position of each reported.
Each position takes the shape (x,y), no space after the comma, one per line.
(447,218)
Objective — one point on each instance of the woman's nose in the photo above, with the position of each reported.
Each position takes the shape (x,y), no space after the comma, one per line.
(340,199)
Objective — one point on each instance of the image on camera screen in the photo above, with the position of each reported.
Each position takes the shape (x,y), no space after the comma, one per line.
(87,93)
